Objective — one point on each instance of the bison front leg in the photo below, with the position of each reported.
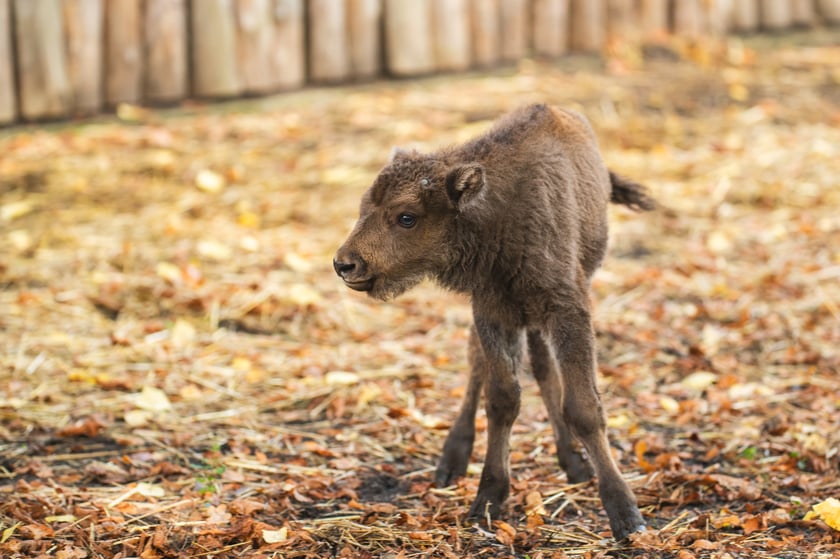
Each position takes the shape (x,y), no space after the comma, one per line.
(570,455)
(459,442)
(575,343)
(503,350)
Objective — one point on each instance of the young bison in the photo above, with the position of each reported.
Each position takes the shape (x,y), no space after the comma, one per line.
(517,219)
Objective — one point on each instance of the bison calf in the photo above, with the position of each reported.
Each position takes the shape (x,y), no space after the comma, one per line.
(517,219)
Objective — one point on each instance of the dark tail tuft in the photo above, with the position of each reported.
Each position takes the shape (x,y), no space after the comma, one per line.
(630,194)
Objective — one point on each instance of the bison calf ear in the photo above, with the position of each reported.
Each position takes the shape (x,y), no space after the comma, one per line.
(464,184)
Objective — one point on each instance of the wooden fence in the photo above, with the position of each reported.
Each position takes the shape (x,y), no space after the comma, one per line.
(66,58)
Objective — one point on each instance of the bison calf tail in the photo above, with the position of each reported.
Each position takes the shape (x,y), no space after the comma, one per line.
(630,194)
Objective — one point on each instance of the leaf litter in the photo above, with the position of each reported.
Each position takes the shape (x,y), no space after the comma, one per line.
(183,376)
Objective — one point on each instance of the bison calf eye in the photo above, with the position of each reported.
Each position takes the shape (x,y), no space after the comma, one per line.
(407,220)
(425,182)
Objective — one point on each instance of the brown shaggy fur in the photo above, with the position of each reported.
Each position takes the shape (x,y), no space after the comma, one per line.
(517,219)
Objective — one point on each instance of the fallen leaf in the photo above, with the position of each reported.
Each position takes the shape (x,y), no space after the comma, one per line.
(152,399)
(276,536)
(828,511)
(209,181)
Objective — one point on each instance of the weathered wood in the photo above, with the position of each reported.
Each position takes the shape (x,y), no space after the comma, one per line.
(551,27)
(776,14)
(328,41)
(589,26)
(214,41)
(288,52)
(123,51)
(8,102)
(803,12)
(83,23)
(486,32)
(689,18)
(719,16)
(829,10)
(622,20)
(165,49)
(45,90)
(514,29)
(451,34)
(364,24)
(254,41)
(653,18)
(745,16)
(408,37)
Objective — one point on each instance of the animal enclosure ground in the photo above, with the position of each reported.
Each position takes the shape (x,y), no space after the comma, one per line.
(182,374)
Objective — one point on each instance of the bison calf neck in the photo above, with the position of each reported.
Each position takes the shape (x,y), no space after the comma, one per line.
(517,219)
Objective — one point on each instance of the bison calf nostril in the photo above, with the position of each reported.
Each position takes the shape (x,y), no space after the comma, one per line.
(342,268)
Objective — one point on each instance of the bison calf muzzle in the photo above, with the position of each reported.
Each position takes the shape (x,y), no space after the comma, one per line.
(517,219)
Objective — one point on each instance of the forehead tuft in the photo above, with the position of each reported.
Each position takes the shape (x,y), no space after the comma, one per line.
(402,176)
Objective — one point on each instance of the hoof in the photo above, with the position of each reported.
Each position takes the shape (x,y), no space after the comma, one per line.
(624,527)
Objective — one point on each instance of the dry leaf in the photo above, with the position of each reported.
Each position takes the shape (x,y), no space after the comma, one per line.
(209,181)
(828,511)
(276,536)
(152,399)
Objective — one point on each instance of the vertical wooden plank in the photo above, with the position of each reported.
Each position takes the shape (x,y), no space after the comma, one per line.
(589,26)
(514,29)
(165,50)
(364,25)
(451,34)
(689,18)
(213,37)
(622,21)
(776,14)
(288,54)
(803,13)
(408,37)
(123,51)
(254,40)
(8,104)
(718,16)
(551,27)
(486,29)
(45,90)
(83,25)
(745,16)
(653,18)
(326,24)
(829,10)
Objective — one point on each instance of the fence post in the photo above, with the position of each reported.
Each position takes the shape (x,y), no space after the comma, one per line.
(253,38)
(213,38)
(776,14)
(485,31)
(288,52)
(42,66)
(165,48)
(8,105)
(408,39)
(551,27)
(514,29)
(328,42)
(123,51)
(689,19)
(803,12)
(451,34)
(829,10)
(745,15)
(83,20)
(622,21)
(653,18)
(589,27)
(364,24)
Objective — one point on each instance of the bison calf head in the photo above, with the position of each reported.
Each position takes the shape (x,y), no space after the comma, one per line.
(407,227)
